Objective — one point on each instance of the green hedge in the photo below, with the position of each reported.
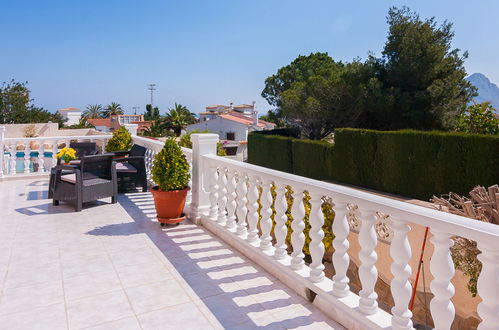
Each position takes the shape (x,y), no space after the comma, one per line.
(271,151)
(409,163)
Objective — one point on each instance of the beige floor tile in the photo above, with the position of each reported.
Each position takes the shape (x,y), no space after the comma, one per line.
(185,316)
(25,298)
(135,275)
(133,256)
(154,296)
(129,323)
(91,284)
(51,317)
(96,310)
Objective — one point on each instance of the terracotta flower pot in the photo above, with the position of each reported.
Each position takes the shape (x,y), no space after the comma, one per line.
(169,204)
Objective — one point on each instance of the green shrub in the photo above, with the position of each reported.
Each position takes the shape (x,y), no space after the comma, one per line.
(270,151)
(121,140)
(409,163)
(170,169)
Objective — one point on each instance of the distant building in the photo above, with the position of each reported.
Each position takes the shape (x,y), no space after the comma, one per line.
(231,122)
(72,115)
(114,122)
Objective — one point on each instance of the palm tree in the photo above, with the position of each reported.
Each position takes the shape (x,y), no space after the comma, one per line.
(178,118)
(112,109)
(92,111)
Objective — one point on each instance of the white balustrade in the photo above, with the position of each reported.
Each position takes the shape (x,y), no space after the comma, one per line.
(231,200)
(280,229)
(41,156)
(222,196)
(252,209)
(55,147)
(213,194)
(442,269)
(316,245)
(13,158)
(368,273)
(341,260)
(487,285)
(401,288)
(297,237)
(242,200)
(27,156)
(266,213)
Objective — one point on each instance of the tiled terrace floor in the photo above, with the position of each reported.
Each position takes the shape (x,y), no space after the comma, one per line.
(112,266)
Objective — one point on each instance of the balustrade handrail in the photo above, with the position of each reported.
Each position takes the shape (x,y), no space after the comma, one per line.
(61,137)
(437,220)
(156,143)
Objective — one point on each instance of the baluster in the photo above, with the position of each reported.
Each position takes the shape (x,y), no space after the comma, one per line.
(213,193)
(222,196)
(442,269)
(316,246)
(13,158)
(367,271)
(298,225)
(27,154)
(41,156)
(189,193)
(231,200)
(266,212)
(341,260)
(6,161)
(400,250)
(280,229)
(487,285)
(55,150)
(252,210)
(242,210)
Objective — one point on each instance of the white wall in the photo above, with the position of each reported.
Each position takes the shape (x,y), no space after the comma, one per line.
(73,117)
(222,126)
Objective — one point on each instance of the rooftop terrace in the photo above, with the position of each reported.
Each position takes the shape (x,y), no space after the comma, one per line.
(112,266)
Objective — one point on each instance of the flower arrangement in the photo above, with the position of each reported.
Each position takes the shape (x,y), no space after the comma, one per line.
(66,154)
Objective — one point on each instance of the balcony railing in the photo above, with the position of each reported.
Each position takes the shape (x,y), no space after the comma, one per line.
(236,201)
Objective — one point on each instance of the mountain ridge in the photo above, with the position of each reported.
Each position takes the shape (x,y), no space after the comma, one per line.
(487,90)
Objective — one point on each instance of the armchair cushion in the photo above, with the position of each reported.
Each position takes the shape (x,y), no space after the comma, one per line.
(125,167)
(69,178)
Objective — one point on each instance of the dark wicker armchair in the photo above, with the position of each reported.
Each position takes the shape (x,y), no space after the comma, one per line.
(94,178)
(131,169)
(82,149)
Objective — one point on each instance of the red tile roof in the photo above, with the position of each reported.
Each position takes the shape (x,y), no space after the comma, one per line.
(243,119)
(100,121)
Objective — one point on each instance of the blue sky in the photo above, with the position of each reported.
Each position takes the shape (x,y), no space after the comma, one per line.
(74,53)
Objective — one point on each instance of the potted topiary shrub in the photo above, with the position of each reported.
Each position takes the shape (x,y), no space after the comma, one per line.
(121,140)
(170,172)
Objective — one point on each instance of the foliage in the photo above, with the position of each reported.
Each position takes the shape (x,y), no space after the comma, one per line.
(273,117)
(270,151)
(157,129)
(92,111)
(464,253)
(418,82)
(66,154)
(178,118)
(409,163)
(478,119)
(121,140)
(170,169)
(82,124)
(112,109)
(16,107)
(152,113)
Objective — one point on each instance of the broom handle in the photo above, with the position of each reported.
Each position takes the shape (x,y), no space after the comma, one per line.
(411,305)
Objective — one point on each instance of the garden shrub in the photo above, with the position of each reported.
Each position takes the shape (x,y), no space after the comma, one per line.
(270,151)
(121,140)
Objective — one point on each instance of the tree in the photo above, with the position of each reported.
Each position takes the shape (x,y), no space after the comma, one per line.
(419,82)
(16,106)
(478,119)
(158,128)
(112,109)
(93,111)
(151,113)
(178,118)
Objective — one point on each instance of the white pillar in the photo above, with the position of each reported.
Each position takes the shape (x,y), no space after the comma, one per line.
(2,151)
(487,285)
(202,144)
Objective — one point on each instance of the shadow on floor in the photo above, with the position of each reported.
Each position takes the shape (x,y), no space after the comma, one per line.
(238,293)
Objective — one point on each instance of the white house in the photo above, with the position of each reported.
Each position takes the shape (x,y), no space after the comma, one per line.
(72,115)
(231,122)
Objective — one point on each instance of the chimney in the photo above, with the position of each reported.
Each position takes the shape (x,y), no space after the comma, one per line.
(231,106)
(255,117)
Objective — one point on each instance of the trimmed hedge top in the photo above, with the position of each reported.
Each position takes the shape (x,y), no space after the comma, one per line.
(409,163)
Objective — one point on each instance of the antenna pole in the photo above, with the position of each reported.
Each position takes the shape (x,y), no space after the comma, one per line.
(152,88)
